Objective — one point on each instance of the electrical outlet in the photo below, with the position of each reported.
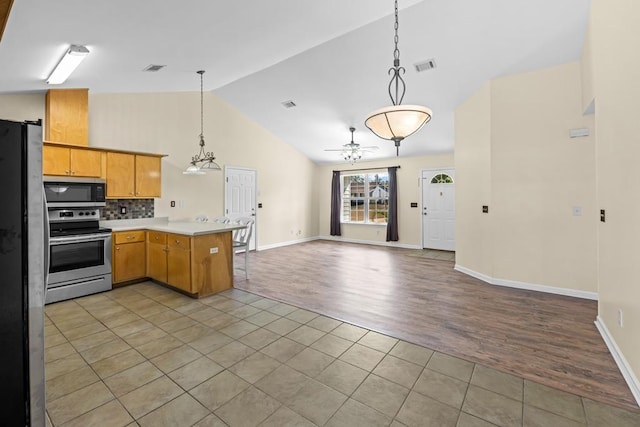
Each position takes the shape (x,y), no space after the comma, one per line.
(213,250)
(620,318)
(173,203)
(123,210)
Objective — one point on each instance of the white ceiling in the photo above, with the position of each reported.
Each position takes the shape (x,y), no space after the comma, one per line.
(330,57)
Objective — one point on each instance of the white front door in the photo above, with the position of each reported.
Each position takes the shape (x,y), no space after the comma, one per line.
(240,196)
(438,209)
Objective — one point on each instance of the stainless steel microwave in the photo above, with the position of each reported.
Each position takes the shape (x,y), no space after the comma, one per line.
(63,191)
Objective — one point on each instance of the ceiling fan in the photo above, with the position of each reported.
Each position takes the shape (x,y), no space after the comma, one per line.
(352,152)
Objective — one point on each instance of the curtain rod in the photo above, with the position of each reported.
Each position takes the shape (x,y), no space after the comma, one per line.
(366,169)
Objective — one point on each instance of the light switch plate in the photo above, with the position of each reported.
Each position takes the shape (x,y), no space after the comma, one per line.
(213,250)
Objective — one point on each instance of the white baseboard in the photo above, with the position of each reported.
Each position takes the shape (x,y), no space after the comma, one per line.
(528,286)
(287,243)
(623,365)
(369,242)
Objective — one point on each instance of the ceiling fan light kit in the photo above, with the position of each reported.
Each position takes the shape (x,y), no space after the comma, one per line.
(397,121)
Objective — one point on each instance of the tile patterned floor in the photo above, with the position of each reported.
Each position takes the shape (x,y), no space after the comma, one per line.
(145,355)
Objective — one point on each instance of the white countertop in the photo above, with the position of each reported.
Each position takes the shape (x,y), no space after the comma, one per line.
(187,228)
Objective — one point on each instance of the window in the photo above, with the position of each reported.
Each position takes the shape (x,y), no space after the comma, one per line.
(365,198)
(442,178)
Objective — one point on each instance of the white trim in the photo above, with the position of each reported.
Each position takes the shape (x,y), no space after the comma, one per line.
(369,242)
(528,286)
(287,243)
(623,365)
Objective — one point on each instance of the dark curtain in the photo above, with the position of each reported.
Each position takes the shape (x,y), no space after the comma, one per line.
(335,204)
(392,219)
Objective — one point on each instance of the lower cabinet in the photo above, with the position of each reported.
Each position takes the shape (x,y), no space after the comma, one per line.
(129,255)
(169,259)
(199,265)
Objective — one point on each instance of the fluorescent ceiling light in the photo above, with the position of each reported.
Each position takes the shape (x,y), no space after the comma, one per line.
(71,59)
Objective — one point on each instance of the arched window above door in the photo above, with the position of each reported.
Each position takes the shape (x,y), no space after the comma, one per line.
(442,178)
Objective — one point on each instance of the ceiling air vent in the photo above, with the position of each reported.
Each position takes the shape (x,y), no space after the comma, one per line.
(153,68)
(429,64)
(288,104)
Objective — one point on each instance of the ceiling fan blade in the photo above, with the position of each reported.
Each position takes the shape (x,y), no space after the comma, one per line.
(334,149)
(370,147)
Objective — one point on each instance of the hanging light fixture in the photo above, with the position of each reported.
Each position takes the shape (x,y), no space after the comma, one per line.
(203,161)
(397,122)
(352,151)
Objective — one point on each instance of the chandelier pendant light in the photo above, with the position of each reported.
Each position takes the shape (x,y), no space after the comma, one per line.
(204,160)
(396,122)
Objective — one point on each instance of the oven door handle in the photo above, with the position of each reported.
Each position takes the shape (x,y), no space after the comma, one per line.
(79,239)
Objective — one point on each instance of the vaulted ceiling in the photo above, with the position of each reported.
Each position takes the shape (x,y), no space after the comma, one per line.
(330,57)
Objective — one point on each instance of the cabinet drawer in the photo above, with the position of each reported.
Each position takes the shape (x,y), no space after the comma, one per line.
(157,237)
(121,237)
(179,241)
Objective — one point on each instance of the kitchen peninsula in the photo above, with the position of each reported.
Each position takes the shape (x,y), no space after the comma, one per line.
(193,257)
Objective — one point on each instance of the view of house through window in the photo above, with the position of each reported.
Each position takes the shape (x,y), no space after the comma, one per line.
(365,197)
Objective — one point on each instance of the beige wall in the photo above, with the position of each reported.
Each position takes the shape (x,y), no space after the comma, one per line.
(473,182)
(615,43)
(169,123)
(408,191)
(537,175)
(22,107)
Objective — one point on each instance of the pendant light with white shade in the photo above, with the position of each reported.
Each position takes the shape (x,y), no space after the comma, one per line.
(396,122)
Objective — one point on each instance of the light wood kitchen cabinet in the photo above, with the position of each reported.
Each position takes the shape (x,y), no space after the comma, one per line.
(58,160)
(169,259)
(129,255)
(179,261)
(189,264)
(67,116)
(132,175)
(157,256)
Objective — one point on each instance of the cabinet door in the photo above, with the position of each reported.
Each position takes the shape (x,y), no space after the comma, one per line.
(157,261)
(67,116)
(55,160)
(84,162)
(120,175)
(148,176)
(179,268)
(129,262)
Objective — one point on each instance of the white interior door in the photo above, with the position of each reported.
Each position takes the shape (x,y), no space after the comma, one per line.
(240,196)
(438,209)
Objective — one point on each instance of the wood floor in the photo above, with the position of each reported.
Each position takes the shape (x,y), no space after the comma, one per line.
(546,338)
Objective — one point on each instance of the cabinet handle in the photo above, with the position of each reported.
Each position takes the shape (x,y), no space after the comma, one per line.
(177,241)
(73,172)
(157,238)
(131,193)
(68,172)
(137,193)
(117,248)
(129,237)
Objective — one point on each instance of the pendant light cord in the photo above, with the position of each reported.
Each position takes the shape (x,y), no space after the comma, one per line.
(201,72)
(396,80)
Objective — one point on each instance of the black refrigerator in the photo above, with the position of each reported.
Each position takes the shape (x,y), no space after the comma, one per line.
(23,257)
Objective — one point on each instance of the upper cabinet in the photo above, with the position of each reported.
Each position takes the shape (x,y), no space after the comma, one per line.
(60,160)
(133,175)
(67,116)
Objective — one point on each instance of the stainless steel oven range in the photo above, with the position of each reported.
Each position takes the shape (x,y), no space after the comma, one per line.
(79,254)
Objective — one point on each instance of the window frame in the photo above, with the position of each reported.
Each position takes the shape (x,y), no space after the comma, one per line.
(366,197)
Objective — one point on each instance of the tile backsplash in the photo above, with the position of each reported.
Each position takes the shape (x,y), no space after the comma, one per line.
(135,208)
